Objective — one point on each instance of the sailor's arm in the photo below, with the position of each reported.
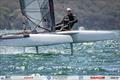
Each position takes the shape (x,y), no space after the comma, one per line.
(74,21)
(59,23)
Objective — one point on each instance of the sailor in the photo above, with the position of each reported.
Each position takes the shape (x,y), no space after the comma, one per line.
(68,21)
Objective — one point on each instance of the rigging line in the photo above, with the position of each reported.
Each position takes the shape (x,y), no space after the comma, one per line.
(46,9)
(24,5)
(40,11)
(42,19)
(32,21)
(33,18)
(36,24)
(44,3)
(34,9)
(38,19)
(39,4)
(30,3)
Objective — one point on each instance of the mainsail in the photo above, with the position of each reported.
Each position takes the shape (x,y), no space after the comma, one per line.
(38,12)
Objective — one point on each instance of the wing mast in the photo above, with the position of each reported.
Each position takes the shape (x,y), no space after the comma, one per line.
(51,4)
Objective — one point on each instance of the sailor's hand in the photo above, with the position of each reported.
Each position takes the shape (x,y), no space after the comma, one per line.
(70,22)
(61,29)
(56,24)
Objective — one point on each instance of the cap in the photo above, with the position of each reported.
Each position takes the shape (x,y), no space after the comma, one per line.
(68,9)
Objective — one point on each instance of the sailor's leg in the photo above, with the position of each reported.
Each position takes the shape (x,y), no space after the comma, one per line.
(71,25)
(37,49)
(57,27)
(71,47)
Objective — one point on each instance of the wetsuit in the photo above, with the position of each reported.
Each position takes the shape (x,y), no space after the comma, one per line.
(68,22)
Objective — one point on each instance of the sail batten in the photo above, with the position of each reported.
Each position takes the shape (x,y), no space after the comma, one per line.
(39,12)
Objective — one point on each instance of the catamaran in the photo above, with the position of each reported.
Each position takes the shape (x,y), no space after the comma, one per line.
(40,13)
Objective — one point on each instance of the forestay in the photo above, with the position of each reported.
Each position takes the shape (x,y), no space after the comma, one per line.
(38,12)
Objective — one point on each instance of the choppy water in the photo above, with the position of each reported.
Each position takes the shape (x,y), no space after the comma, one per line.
(97,58)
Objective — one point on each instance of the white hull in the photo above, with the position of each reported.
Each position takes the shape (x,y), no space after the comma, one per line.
(90,36)
(59,38)
(37,40)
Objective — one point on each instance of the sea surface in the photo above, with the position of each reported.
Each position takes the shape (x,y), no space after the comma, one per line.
(92,58)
